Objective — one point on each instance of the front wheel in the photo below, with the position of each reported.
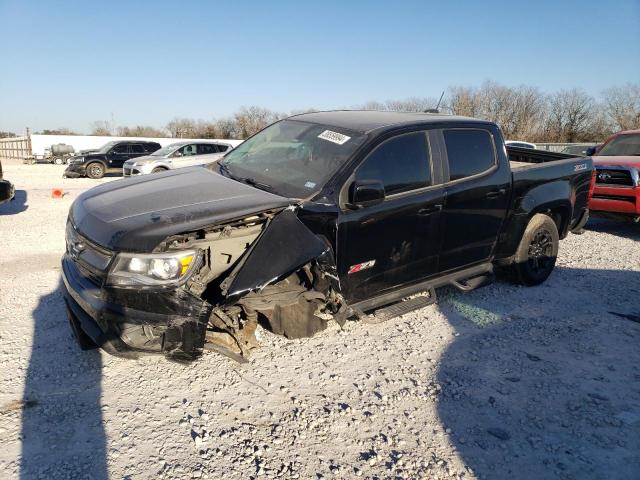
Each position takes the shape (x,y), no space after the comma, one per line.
(537,252)
(158,170)
(95,170)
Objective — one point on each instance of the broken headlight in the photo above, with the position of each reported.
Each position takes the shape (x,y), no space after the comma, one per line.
(139,270)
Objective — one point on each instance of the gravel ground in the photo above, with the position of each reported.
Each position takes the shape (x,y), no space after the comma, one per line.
(504,382)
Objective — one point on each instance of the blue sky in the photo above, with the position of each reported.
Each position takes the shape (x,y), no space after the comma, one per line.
(69,63)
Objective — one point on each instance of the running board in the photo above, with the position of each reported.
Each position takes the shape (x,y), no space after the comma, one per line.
(465,280)
(400,308)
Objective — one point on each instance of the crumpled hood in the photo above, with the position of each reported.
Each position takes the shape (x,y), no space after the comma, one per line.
(137,214)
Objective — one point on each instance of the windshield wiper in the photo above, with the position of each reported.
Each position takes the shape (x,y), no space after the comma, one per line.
(248,180)
(254,183)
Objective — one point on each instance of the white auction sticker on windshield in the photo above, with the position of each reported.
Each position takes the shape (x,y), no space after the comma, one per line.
(334,137)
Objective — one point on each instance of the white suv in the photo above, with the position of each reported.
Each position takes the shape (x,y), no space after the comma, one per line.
(178,155)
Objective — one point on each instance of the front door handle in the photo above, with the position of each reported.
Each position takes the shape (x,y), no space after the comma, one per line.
(496,193)
(430,209)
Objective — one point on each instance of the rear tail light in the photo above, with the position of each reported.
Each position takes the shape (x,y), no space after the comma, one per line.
(592,185)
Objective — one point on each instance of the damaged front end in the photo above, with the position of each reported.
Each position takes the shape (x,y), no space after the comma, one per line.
(285,281)
(267,268)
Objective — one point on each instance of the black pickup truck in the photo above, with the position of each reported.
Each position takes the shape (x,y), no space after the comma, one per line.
(321,216)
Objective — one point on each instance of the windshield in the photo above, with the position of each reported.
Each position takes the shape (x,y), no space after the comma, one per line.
(106,147)
(622,145)
(291,158)
(167,150)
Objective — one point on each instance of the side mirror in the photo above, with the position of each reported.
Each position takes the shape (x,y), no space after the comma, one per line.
(590,151)
(366,193)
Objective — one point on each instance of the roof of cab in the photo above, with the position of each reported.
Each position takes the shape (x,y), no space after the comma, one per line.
(366,121)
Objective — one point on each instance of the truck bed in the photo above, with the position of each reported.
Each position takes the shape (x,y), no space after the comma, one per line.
(524,157)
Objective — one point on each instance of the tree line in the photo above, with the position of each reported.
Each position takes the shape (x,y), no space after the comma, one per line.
(523,112)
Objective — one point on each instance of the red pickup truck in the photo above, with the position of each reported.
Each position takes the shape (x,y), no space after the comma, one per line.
(617,189)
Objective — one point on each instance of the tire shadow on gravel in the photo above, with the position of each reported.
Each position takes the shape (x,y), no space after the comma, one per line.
(62,430)
(625,229)
(17,205)
(542,382)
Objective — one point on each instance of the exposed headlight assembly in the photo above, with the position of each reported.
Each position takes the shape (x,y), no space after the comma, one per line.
(77,160)
(139,270)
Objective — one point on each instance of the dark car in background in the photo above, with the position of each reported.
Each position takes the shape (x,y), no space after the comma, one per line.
(7,190)
(108,158)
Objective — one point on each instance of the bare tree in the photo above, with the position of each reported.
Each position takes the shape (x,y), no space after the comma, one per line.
(569,116)
(57,131)
(181,127)
(250,120)
(101,127)
(140,131)
(622,106)
(465,101)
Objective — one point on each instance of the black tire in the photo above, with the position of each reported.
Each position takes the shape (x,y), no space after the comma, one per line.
(84,341)
(58,161)
(536,255)
(95,170)
(158,170)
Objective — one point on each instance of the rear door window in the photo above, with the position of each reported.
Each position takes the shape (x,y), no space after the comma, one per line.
(401,164)
(122,148)
(207,148)
(470,152)
(137,148)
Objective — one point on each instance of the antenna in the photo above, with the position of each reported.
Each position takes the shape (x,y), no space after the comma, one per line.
(437,109)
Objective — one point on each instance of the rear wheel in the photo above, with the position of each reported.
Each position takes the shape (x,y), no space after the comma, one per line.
(58,161)
(95,170)
(537,252)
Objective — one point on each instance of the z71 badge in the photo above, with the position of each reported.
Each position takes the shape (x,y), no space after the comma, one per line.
(361,266)
(579,167)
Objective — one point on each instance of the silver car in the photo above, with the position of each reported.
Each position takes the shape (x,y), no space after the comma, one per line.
(177,155)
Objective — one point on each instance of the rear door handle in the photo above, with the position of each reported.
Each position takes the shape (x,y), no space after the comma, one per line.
(496,193)
(430,209)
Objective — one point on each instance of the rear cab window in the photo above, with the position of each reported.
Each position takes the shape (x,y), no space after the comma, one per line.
(401,163)
(470,152)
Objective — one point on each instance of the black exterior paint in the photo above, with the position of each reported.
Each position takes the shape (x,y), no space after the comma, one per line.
(112,160)
(7,190)
(422,234)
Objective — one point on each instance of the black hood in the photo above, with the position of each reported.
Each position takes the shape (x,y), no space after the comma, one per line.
(137,214)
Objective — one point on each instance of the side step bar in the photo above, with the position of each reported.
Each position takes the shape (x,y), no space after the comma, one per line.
(400,308)
(464,280)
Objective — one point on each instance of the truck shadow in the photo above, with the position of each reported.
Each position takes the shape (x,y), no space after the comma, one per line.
(533,389)
(626,229)
(62,431)
(19,204)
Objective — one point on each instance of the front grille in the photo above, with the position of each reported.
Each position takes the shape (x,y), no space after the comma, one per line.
(610,176)
(92,259)
(620,198)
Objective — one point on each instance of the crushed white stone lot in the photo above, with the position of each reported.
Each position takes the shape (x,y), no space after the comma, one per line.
(504,382)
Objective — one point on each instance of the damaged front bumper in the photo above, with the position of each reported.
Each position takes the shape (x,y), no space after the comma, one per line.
(128,323)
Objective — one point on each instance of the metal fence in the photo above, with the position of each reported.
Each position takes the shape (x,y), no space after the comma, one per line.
(558,147)
(15,147)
